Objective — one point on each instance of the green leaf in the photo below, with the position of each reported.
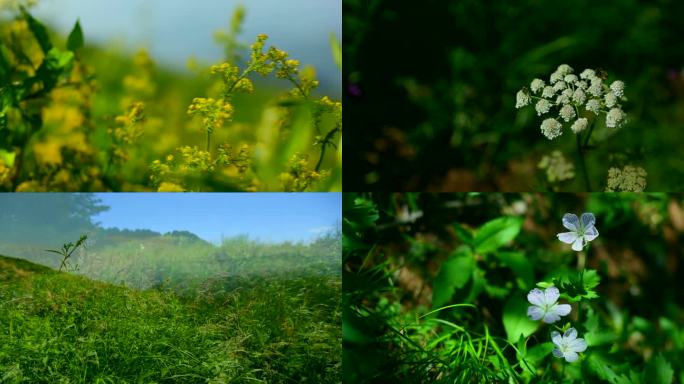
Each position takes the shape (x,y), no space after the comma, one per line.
(496,233)
(464,234)
(454,273)
(360,213)
(336,50)
(659,370)
(578,285)
(515,319)
(39,31)
(75,40)
(7,157)
(520,265)
(601,366)
(57,60)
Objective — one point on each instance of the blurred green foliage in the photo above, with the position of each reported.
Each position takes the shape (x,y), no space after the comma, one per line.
(432,90)
(91,118)
(435,287)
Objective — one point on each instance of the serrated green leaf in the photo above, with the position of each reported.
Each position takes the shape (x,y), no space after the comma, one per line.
(602,368)
(496,233)
(515,319)
(360,213)
(454,273)
(39,31)
(659,370)
(75,40)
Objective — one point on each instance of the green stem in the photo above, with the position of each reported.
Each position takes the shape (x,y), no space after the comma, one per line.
(591,130)
(208,140)
(324,146)
(580,154)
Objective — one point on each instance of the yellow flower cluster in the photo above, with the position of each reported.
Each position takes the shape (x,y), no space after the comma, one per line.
(214,113)
(299,178)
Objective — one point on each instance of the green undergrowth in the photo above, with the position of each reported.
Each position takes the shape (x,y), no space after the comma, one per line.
(61,328)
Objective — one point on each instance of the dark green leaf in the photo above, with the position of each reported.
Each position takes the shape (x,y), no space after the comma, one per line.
(520,265)
(601,366)
(75,40)
(464,234)
(659,370)
(454,273)
(496,233)
(39,31)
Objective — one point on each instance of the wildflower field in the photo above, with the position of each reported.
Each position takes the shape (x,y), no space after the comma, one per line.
(514,96)
(76,116)
(518,288)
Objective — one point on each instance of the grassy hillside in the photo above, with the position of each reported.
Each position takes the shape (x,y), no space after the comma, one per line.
(60,328)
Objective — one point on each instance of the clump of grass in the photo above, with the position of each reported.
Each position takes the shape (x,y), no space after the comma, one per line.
(56,328)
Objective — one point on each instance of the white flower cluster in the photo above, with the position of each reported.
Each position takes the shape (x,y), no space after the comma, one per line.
(545,307)
(557,167)
(574,97)
(627,179)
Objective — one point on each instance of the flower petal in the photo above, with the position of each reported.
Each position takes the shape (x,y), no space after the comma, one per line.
(536,297)
(556,338)
(551,295)
(535,313)
(571,356)
(570,334)
(578,345)
(562,309)
(578,245)
(570,221)
(568,237)
(588,219)
(556,352)
(590,233)
(550,317)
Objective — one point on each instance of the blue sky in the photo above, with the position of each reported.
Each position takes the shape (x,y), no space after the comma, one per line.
(174,30)
(266,216)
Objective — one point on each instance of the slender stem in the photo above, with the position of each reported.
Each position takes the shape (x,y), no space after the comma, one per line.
(208,140)
(581,260)
(580,153)
(591,130)
(324,146)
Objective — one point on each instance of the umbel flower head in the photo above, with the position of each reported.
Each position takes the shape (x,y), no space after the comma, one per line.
(545,305)
(627,179)
(573,99)
(582,231)
(557,167)
(568,345)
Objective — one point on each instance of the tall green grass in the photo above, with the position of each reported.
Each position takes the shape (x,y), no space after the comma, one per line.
(61,328)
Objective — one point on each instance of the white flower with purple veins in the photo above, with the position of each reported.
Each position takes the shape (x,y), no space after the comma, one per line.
(582,230)
(568,345)
(545,305)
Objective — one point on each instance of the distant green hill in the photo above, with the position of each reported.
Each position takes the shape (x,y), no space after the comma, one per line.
(56,327)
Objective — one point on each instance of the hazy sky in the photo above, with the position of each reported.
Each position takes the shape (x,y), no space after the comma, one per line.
(174,30)
(266,216)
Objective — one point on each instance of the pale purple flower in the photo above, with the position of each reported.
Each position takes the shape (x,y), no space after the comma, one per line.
(582,231)
(545,305)
(568,345)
